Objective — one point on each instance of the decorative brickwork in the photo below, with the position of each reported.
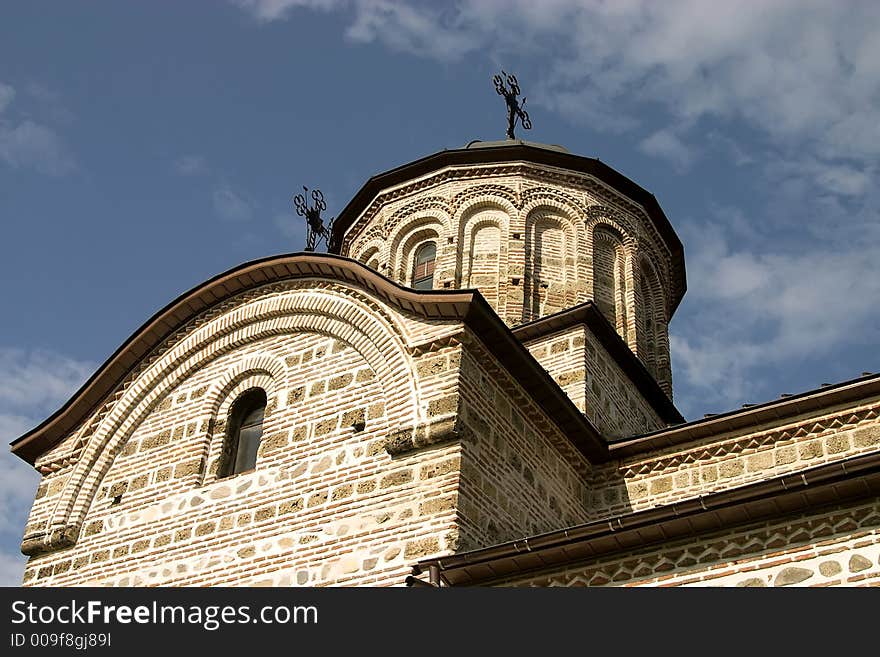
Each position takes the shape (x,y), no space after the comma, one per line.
(360,459)
(837,547)
(534,242)
(727,461)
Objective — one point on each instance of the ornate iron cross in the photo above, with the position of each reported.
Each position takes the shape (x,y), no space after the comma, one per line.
(515,110)
(315,228)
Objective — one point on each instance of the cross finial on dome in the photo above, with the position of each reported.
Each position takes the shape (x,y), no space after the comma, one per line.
(508,86)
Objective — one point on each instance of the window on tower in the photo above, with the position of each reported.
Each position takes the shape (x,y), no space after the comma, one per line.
(244,429)
(423,266)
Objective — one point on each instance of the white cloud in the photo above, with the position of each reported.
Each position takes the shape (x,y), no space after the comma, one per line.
(11,569)
(232,206)
(765,304)
(417,30)
(190,165)
(796,70)
(270,10)
(33,384)
(30,145)
(666,144)
(34,146)
(7,94)
(37,379)
(835,177)
(18,483)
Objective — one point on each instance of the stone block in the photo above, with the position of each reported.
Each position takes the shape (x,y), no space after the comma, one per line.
(792,575)
(829,568)
(867,436)
(396,479)
(421,548)
(858,563)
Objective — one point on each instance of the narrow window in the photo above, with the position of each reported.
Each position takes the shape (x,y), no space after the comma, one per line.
(423,266)
(244,428)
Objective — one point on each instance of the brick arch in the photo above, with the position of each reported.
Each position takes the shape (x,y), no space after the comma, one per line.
(493,193)
(637,243)
(272,369)
(437,206)
(467,229)
(405,249)
(573,210)
(653,341)
(552,198)
(375,235)
(550,277)
(610,275)
(602,214)
(372,253)
(421,227)
(343,316)
(255,371)
(598,217)
(475,203)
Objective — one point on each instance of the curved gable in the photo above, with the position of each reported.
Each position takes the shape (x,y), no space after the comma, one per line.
(141,349)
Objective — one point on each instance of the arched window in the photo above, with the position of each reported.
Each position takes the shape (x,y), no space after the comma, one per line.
(423,266)
(244,429)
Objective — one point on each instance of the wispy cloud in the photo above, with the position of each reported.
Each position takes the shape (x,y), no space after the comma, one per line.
(11,569)
(190,165)
(419,30)
(667,145)
(796,70)
(7,94)
(33,384)
(270,10)
(31,145)
(765,304)
(231,205)
(32,380)
(25,144)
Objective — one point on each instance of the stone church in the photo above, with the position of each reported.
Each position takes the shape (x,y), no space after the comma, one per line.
(472,388)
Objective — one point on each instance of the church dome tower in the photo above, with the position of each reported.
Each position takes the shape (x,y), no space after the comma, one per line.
(536,229)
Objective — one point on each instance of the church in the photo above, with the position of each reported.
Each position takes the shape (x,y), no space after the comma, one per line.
(472,387)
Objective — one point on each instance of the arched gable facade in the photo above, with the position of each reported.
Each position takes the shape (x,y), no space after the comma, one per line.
(323,308)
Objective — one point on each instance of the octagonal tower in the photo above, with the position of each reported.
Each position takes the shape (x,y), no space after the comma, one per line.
(536,229)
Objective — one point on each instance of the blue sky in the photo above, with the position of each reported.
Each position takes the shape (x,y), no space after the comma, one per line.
(145,147)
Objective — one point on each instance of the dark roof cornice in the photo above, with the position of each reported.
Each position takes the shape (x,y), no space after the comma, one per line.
(516,152)
(467,306)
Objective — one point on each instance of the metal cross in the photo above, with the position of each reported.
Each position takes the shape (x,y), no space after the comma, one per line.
(514,110)
(315,228)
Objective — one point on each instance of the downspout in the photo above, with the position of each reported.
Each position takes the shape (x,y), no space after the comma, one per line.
(433,577)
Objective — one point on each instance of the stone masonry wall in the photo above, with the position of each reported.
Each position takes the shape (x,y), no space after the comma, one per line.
(321,489)
(839,546)
(581,366)
(326,504)
(519,475)
(728,460)
(329,502)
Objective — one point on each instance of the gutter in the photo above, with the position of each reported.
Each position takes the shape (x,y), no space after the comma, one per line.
(852,478)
